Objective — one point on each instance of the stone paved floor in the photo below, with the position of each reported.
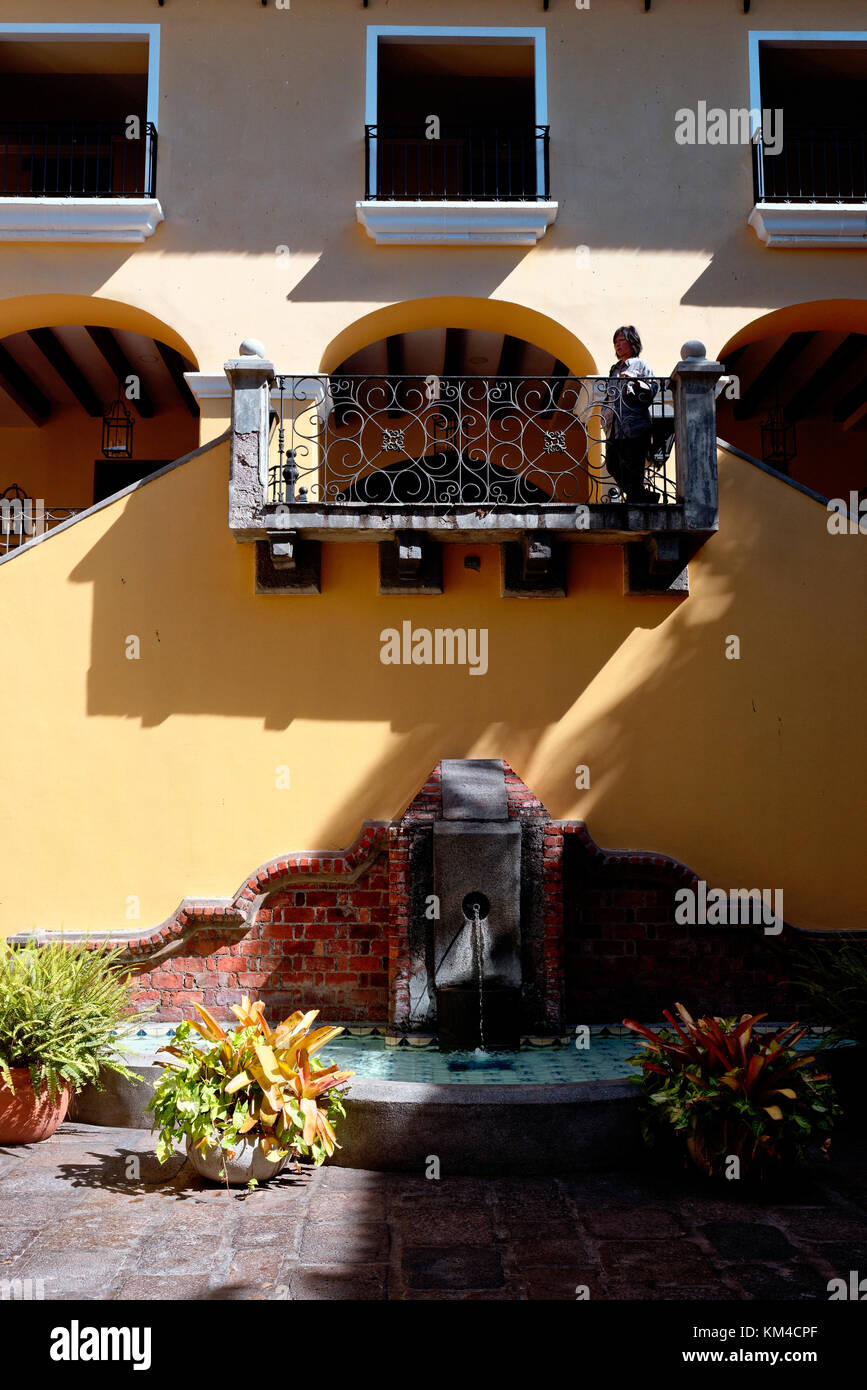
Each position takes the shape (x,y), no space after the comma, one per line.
(92,1214)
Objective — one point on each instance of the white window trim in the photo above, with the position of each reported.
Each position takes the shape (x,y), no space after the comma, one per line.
(455,223)
(803,225)
(86,219)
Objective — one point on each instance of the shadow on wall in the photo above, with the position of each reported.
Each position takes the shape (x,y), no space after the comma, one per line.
(764,277)
(168,571)
(685,747)
(352,268)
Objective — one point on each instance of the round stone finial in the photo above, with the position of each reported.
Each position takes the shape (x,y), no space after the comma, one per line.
(693,349)
(251,347)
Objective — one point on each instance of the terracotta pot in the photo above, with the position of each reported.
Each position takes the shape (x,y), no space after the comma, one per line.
(249,1162)
(28,1116)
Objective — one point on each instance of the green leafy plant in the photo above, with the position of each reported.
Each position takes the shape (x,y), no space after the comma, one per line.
(255,1082)
(833,979)
(62,1006)
(723,1090)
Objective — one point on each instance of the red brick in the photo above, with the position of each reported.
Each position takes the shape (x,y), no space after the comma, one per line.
(253,979)
(160,979)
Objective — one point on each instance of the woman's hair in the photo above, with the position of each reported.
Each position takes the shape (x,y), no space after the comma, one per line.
(631,336)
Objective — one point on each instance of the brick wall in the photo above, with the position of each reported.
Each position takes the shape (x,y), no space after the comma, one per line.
(313,945)
(625,956)
(344,932)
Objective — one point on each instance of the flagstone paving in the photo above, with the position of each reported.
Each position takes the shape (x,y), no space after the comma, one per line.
(92,1215)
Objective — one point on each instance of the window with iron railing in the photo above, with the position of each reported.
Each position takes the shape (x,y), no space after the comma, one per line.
(812,94)
(814,165)
(475,163)
(77,159)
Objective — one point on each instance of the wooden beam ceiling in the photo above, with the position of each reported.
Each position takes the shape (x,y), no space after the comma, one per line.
(115,357)
(806,400)
(453,358)
(850,409)
(70,374)
(510,356)
(765,383)
(20,389)
(175,364)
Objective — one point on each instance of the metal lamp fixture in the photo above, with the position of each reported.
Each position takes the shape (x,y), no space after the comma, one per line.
(117,428)
(779,440)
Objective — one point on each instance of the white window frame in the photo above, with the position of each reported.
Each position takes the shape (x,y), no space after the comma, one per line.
(803,38)
(443,33)
(842,225)
(86,219)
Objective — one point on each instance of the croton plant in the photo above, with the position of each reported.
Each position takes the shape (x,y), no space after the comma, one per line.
(726,1091)
(254,1082)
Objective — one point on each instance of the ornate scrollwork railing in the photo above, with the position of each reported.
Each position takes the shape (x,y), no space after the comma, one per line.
(483,441)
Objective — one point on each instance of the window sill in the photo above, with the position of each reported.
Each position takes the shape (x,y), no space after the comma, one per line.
(79,219)
(800,225)
(455,223)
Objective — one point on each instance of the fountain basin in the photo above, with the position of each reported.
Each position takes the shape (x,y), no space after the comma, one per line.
(398,1126)
(538,1110)
(480,1116)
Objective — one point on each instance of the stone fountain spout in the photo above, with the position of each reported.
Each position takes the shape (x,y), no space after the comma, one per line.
(477,936)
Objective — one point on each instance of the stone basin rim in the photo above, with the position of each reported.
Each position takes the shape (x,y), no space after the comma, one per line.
(364,1088)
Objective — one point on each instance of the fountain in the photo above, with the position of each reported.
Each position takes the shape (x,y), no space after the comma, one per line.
(476,937)
(476,970)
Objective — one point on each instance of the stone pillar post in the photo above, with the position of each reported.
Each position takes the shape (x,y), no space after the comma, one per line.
(250,377)
(693,381)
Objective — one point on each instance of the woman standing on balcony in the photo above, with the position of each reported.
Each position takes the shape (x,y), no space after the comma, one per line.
(626,416)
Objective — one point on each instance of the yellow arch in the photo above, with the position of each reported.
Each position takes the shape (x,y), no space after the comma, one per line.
(57,310)
(453,311)
(832,315)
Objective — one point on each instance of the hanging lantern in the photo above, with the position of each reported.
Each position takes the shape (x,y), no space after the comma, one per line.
(779,441)
(117,428)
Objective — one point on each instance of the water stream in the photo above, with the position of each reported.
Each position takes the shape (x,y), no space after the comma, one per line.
(479,945)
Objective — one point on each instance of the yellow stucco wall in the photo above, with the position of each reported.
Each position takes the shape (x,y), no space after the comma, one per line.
(157,777)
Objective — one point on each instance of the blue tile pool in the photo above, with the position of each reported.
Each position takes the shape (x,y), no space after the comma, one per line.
(605,1059)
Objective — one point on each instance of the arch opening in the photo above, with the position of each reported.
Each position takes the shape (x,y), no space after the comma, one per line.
(67,363)
(797,398)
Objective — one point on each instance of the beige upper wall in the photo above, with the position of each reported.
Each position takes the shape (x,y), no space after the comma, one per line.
(261,146)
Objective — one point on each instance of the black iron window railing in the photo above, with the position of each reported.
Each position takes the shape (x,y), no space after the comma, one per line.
(73,159)
(482,441)
(813,166)
(491,163)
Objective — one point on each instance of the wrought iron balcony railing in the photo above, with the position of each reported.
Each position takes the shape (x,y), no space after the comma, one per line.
(814,166)
(440,441)
(22,518)
(492,163)
(77,159)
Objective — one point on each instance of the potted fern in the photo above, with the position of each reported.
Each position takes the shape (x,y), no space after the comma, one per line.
(719,1091)
(247,1099)
(61,1008)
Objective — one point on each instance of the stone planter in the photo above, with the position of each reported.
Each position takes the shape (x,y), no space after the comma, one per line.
(249,1162)
(28,1117)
